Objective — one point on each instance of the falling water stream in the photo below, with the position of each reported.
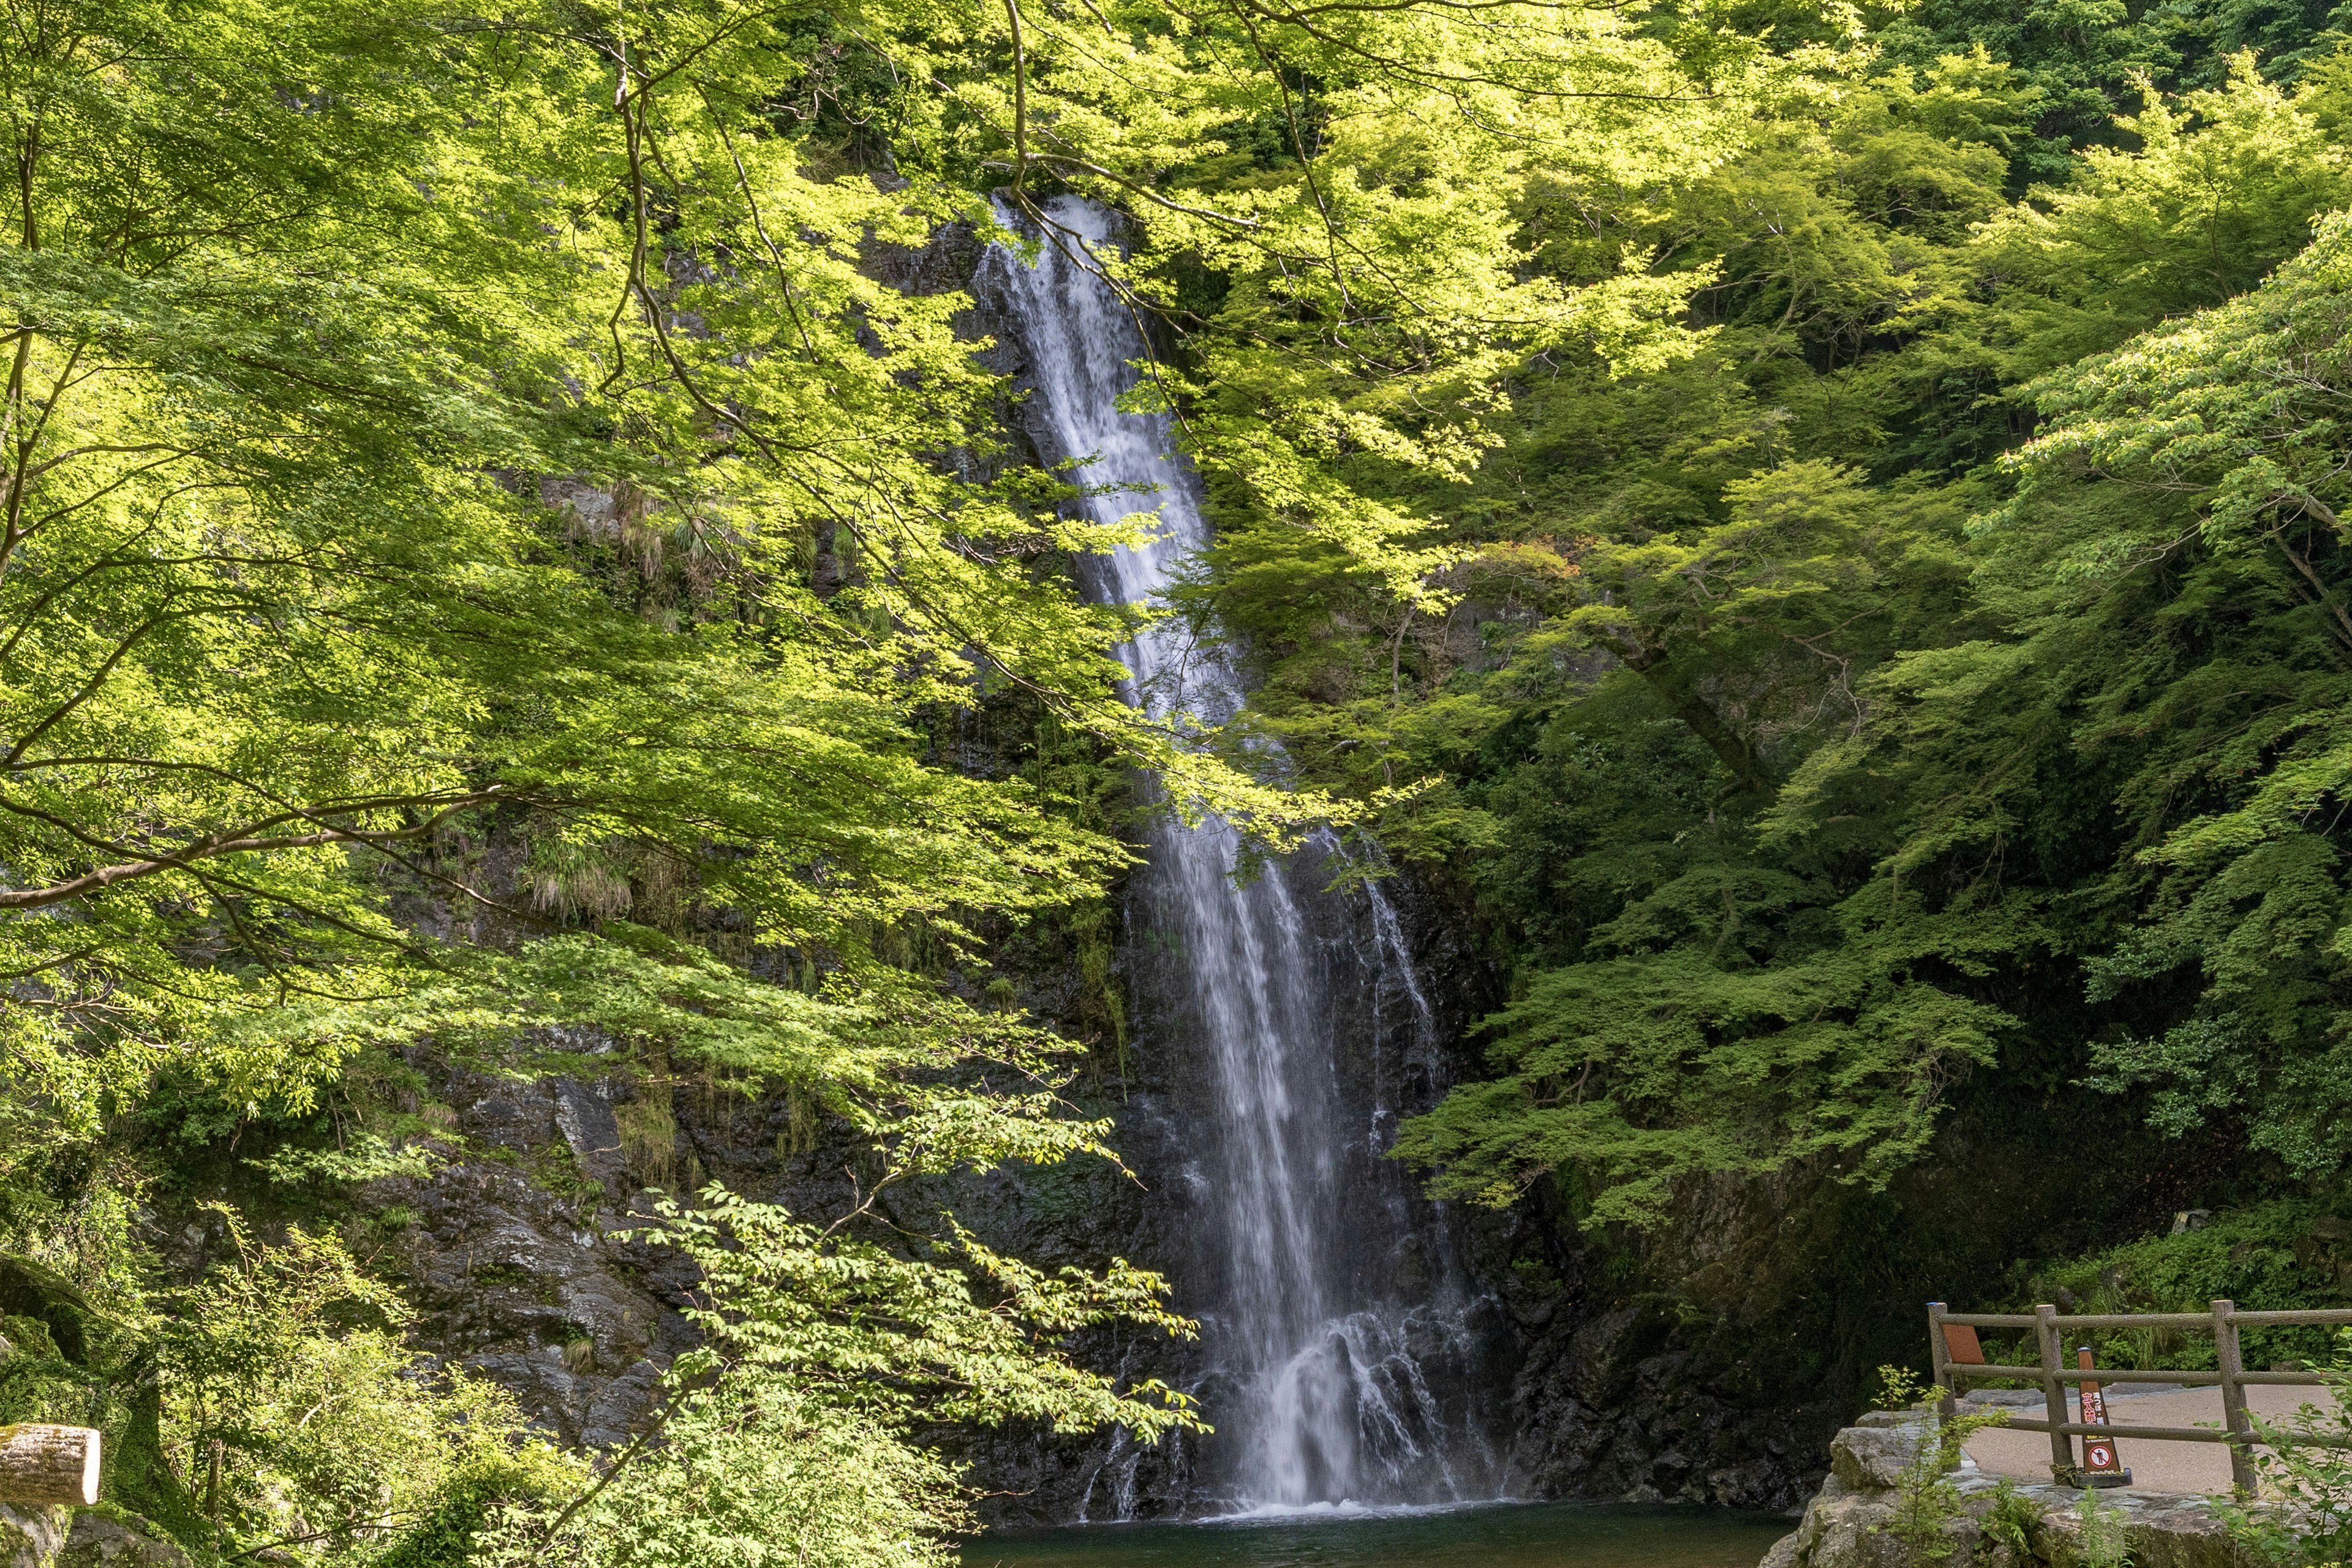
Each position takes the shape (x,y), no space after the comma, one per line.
(1332,1381)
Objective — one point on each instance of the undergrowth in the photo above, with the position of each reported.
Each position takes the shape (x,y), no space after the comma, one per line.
(2287,1253)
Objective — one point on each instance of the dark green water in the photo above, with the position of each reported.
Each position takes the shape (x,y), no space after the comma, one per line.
(1518,1535)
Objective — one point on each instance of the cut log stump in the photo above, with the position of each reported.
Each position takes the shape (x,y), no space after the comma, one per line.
(45,1464)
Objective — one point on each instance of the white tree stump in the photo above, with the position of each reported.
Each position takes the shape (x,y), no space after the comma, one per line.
(45,1464)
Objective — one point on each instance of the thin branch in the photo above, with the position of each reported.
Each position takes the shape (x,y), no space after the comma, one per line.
(214,845)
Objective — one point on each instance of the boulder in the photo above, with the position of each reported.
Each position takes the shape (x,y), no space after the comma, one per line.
(1848,1525)
(1843,1532)
(102,1540)
(30,1536)
(1872,1454)
(2163,1532)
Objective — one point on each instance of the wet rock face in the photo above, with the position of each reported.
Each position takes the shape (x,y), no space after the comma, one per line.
(1630,1399)
(1666,1437)
(533,1269)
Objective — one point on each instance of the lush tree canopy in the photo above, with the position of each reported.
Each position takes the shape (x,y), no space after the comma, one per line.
(1819,531)
(494,530)
(1927,679)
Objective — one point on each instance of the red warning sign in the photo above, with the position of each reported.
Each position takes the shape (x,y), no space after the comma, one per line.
(2099,1458)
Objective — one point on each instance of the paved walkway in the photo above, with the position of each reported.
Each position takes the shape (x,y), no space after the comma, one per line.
(2155,1467)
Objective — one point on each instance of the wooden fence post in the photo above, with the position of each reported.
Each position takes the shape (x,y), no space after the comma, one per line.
(1939,1356)
(2230,1358)
(2054,1394)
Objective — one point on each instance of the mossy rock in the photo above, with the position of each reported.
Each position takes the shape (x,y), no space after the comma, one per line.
(32,1290)
(31,1537)
(107,1537)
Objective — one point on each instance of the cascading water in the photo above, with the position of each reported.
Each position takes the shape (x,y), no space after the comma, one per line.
(1337,1390)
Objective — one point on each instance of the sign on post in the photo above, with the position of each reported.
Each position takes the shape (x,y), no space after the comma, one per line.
(2102,1466)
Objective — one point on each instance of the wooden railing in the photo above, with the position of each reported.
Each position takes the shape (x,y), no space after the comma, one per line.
(2224,1321)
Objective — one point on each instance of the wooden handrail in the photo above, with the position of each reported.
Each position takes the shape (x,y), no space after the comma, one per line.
(2226,1351)
(2163,1433)
(1988,1370)
(2316,1317)
(2223,1320)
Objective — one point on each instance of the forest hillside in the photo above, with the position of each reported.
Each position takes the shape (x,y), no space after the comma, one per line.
(550,698)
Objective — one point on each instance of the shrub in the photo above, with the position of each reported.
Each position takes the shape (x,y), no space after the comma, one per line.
(1925,1499)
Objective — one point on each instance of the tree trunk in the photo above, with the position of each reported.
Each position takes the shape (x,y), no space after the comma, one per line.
(44,1464)
(1721,738)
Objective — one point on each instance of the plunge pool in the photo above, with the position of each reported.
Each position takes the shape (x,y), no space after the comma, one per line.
(1496,1535)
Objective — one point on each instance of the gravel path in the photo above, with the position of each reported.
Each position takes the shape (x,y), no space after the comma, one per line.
(2155,1467)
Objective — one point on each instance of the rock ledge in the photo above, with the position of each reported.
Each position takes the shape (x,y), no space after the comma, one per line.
(1846,1525)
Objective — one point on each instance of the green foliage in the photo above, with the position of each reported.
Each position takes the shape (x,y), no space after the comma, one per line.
(283,618)
(849,1322)
(2090,62)
(2240,888)
(296,1413)
(369,1158)
(791,1428)
(1812,761)
(743,1479)
(2269,1257)
(452,1533)
(283,631)
(272,1405)
(2102,1538)
(1925,1499)
(1898,1389)
(36,1381)
(2013,1518)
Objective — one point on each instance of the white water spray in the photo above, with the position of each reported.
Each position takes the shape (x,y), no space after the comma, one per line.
(1333,1403)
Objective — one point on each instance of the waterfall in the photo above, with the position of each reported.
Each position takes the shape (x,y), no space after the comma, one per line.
(1337,1392)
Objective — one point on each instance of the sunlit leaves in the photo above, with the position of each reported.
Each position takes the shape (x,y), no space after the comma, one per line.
(2099,729)
(916,1339)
